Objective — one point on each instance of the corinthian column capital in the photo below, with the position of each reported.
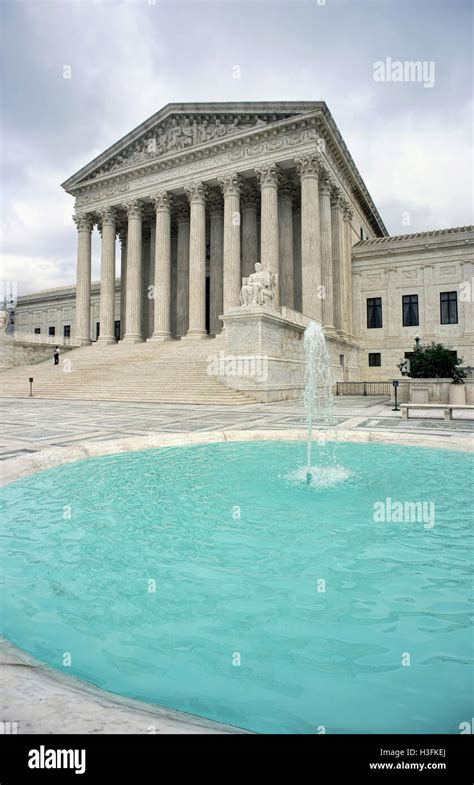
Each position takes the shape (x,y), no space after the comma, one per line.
(134,208)
(84,222)
(230,184)
(162,201)
(326,183)
(268,175)
(336,196)
(108,216)
(196,193)
(249,195)
(309,165)
(347,212)
(287,190)
(216,206)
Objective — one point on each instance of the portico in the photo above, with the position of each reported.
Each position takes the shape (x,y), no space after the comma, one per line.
(201,192)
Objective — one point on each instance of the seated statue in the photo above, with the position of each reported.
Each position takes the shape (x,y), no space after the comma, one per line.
(258,288)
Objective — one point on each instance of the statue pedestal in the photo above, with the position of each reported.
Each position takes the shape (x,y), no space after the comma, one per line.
(264,353)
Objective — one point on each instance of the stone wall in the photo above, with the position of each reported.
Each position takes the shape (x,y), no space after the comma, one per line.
(424,264)
(18,353)
(264,354)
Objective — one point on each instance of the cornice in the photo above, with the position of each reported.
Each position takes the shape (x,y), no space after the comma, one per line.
(318,118)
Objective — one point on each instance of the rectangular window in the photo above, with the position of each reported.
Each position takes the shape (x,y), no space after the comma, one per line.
(67,330)
(449,307)
(410,310)
(51,330)
(375,359)
(374,312)
(37,330)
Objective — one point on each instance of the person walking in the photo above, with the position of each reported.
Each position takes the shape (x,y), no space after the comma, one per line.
(56,355)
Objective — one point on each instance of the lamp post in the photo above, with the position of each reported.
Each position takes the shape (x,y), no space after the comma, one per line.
(395,383)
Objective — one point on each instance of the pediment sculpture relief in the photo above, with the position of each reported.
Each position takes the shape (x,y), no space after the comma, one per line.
(178,133)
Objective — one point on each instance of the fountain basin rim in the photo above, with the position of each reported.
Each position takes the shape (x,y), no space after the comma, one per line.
(98,708)
(16,468)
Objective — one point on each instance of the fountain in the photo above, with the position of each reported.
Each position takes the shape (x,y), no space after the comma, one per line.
(317,396)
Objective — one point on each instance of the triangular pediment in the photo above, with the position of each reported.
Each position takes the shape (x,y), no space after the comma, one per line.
(179,128)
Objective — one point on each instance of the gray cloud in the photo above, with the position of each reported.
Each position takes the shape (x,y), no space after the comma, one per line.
(412,145)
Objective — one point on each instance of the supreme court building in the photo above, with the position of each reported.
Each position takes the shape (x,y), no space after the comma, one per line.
(198,194)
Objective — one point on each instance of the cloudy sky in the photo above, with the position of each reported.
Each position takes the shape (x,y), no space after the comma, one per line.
(127,58)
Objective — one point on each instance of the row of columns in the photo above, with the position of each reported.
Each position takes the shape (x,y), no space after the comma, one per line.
(324,246)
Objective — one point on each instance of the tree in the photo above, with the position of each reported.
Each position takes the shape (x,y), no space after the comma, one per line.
(434,361)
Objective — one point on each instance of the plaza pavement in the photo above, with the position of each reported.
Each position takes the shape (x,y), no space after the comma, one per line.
(31,425)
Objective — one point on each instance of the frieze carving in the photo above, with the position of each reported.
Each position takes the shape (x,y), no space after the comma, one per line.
(178,133)
(98,193)
(248,151)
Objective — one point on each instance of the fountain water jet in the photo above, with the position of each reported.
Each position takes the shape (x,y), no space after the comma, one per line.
(317,396)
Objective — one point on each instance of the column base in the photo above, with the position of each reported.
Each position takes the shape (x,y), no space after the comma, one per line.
(133,339)
(106,339)
(160,337)
(196,334)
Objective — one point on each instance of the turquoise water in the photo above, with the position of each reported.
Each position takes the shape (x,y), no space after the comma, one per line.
(237,627)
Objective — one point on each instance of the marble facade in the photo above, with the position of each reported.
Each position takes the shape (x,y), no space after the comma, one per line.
(189,201)
(217,188)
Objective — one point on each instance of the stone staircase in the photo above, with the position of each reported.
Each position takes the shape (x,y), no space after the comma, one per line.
(171,372)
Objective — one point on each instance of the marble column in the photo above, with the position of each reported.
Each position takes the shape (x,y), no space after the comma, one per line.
(326,250)
(297,254)
(108,218)
(84,224)
(174,277)
(337,232)
(347,216)
(151,281)
(249,201)
(308,167)
(162,266)
(145,296)
(285,242)
(123,278)
(268,177)
(182,263)
(133,332)
(230,187)
(196,193)
(216,216)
